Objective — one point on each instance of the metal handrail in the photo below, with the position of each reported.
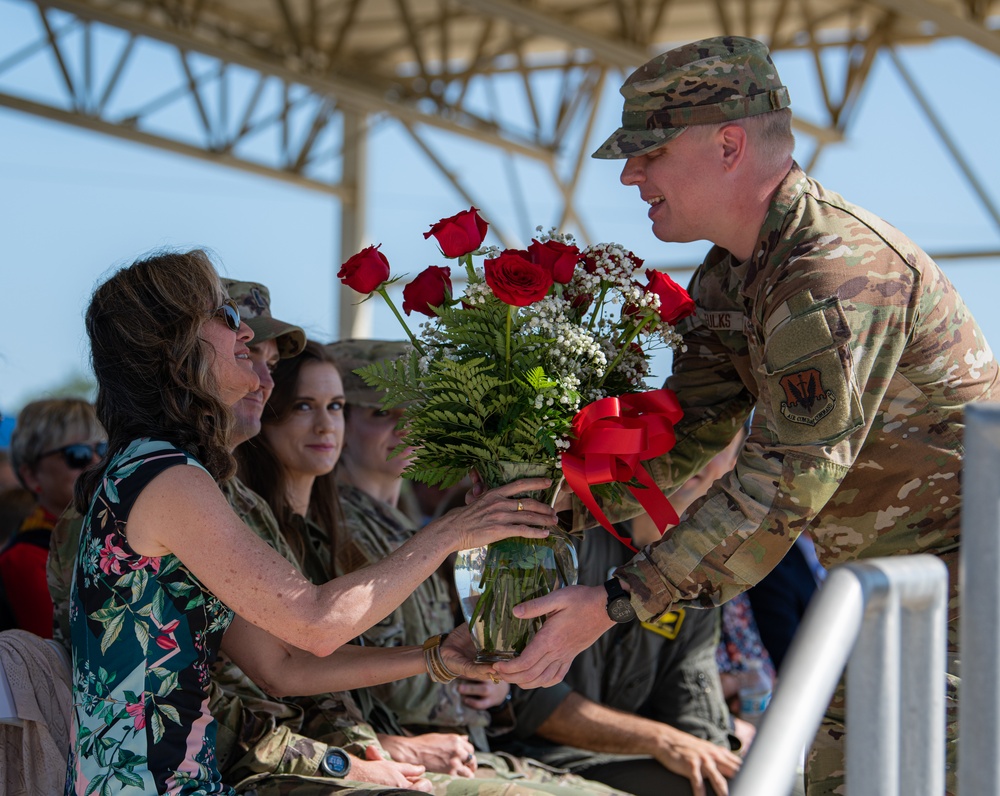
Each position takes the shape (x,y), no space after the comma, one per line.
(979,626)
(885,619)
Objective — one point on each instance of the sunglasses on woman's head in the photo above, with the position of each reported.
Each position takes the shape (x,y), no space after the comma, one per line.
(230,313)
(80,455)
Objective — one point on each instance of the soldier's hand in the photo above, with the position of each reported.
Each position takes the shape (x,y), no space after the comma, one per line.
(698,760)
(483,695)
(440,752)
(575,617)
(379,771)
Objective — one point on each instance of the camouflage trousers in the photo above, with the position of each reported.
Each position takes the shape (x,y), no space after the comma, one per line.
(498,775)
(825,761)
(275,748)
(528,776)
(300,785)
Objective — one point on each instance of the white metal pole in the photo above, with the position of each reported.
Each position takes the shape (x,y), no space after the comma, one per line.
(809,677)
(979,580)
(872,746)
(853,602)
(922,691)
(354,319)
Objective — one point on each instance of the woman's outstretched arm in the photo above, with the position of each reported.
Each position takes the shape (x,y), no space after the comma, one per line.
(183,512)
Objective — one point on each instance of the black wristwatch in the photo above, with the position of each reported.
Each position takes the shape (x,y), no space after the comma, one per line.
(336,763)
(619,605)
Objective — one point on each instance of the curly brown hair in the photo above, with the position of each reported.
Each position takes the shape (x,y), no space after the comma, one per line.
(262,471)
(154,372)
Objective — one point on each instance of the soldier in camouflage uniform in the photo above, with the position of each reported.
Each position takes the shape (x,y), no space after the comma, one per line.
(852,348)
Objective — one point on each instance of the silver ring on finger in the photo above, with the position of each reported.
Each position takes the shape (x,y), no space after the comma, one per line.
(469,758)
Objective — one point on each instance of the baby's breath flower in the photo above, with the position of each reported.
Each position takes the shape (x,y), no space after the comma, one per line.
(584,340)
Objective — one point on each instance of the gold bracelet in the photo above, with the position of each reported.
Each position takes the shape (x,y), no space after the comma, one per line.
(444,674)
(437,670)
(433,643)
(434,667)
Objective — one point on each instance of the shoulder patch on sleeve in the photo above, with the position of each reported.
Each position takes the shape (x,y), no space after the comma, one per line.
(806,399)
(813,396)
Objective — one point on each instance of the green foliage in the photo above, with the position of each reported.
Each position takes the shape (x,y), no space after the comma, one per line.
(489,381)
(465,404)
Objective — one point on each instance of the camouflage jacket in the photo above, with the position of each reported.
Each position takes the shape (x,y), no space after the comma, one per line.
(246,714)
(857,356)
(63,547)
(373,530)
(317,549)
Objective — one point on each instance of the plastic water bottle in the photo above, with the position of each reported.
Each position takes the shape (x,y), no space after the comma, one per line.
(755,691)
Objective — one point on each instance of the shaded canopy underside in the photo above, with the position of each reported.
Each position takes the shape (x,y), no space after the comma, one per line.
(288,88)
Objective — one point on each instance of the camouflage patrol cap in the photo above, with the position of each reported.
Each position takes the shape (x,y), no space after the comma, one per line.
(254,302)
(705,82)
(353,354)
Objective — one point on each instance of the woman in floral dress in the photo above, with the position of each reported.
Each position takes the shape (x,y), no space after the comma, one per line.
(166,573)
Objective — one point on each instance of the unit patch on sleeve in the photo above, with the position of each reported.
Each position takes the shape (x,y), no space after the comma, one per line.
(806,401)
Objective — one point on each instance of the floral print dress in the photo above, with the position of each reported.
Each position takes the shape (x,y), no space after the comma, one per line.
(144,634)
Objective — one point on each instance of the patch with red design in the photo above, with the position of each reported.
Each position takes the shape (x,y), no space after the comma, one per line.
(806,401)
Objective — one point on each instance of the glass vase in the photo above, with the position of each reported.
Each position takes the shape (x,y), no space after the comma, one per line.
(491,580)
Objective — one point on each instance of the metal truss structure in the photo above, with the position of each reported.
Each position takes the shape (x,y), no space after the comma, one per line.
(289,88)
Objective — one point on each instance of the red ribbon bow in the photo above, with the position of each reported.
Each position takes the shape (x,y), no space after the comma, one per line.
(613,435)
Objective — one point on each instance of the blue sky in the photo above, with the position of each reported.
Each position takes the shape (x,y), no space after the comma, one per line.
(74,204)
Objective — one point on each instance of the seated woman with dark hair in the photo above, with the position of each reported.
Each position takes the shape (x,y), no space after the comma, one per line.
(167,574)
(290,463)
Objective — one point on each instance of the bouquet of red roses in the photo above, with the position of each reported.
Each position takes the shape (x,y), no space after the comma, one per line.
(537,368)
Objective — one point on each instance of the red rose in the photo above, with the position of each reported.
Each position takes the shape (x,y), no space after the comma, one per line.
(559,258)
(431,288)
(365,271)
(581,302)
(516,280)
(463,233)
(675,303)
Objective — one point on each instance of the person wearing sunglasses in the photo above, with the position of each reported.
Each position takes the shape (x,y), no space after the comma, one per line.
(167,575)
(53,441)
